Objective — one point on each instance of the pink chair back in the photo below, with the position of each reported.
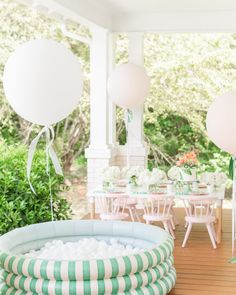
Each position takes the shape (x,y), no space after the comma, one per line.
(156,205)
(110,206)
(196,207)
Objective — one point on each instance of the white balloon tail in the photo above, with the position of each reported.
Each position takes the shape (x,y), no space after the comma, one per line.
(48,130)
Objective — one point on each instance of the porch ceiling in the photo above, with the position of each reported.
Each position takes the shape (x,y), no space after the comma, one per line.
(150,15)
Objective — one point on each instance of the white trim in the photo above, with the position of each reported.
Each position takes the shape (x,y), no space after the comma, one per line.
(176,22)
(74,36)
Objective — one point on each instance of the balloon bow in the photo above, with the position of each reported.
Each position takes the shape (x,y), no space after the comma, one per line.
(50,153)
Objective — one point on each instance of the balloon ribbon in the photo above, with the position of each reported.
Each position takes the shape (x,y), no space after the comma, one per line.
(50,153)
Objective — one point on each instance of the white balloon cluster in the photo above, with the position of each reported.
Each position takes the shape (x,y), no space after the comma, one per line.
(84,249)
(128,85)
(221,122)
(43,81)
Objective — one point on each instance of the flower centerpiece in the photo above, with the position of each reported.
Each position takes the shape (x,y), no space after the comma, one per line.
(214,180)
(156,178)
(110,175)
(187,165)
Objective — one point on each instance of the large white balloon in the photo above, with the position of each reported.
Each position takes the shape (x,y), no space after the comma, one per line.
(221,122)
(128,85)
(43,81)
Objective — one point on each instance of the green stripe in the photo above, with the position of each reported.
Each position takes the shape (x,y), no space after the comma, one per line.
(58,288)
(149,276)
(12,280)
(150,290)
(149,257)
(19,265)
(72,287)
(139,279)
(115,267)
(3,258)
(128,283)
(128,265)
(22,283)
(101,269)
(158,256)
(101,287)
(115,285)
(57,271)
(72,270)
(43,269)
(87,288)
(45,287)
(139,262)
(31,267)
(86,271)
(10,263)
(33,285)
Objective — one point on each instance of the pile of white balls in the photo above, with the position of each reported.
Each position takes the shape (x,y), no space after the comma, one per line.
(84,249)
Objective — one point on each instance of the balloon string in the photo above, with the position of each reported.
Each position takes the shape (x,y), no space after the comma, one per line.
(48,144)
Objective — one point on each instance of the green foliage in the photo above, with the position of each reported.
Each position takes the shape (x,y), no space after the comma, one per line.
(18,205)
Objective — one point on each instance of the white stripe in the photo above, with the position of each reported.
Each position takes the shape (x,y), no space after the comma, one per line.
(27,284)
(108,268)
(37,267)
(39,286)
(134,264)
(50,270)
(6,262)
(93,268)
(121,266)
(94,287)
(14,265)
(25,267)
(79,271)
(17,282)
(108,286)
(52,287)
(121,282)
(145,260)
(79,288)
(65,288)
(64,271)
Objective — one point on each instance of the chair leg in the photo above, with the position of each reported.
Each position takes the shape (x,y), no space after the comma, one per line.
(166,227)
(213,231)
(171,229)
(172,223)
(209,228)
(131,213)
(136,214)
(187,234)
(176,221)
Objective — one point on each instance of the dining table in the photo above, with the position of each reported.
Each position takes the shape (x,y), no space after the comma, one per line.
(217,195)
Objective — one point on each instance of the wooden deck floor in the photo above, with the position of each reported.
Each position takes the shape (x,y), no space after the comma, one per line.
(201,270)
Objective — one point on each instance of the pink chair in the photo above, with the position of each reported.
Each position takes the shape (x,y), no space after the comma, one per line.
(158,208)
(110,207)
(200,211)
(130,205)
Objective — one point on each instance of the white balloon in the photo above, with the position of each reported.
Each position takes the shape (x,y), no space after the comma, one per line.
(221,122)
(43,81)
(128,85)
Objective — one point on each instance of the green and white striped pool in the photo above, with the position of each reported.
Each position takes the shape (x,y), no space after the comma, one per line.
(148,272)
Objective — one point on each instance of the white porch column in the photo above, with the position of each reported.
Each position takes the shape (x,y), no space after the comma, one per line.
(100,153)
(135,146)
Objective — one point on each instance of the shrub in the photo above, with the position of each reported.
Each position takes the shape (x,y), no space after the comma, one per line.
(19,206)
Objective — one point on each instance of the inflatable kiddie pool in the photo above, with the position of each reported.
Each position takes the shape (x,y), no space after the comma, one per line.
(147,272)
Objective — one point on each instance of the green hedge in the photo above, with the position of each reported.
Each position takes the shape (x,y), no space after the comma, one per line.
(18,205)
